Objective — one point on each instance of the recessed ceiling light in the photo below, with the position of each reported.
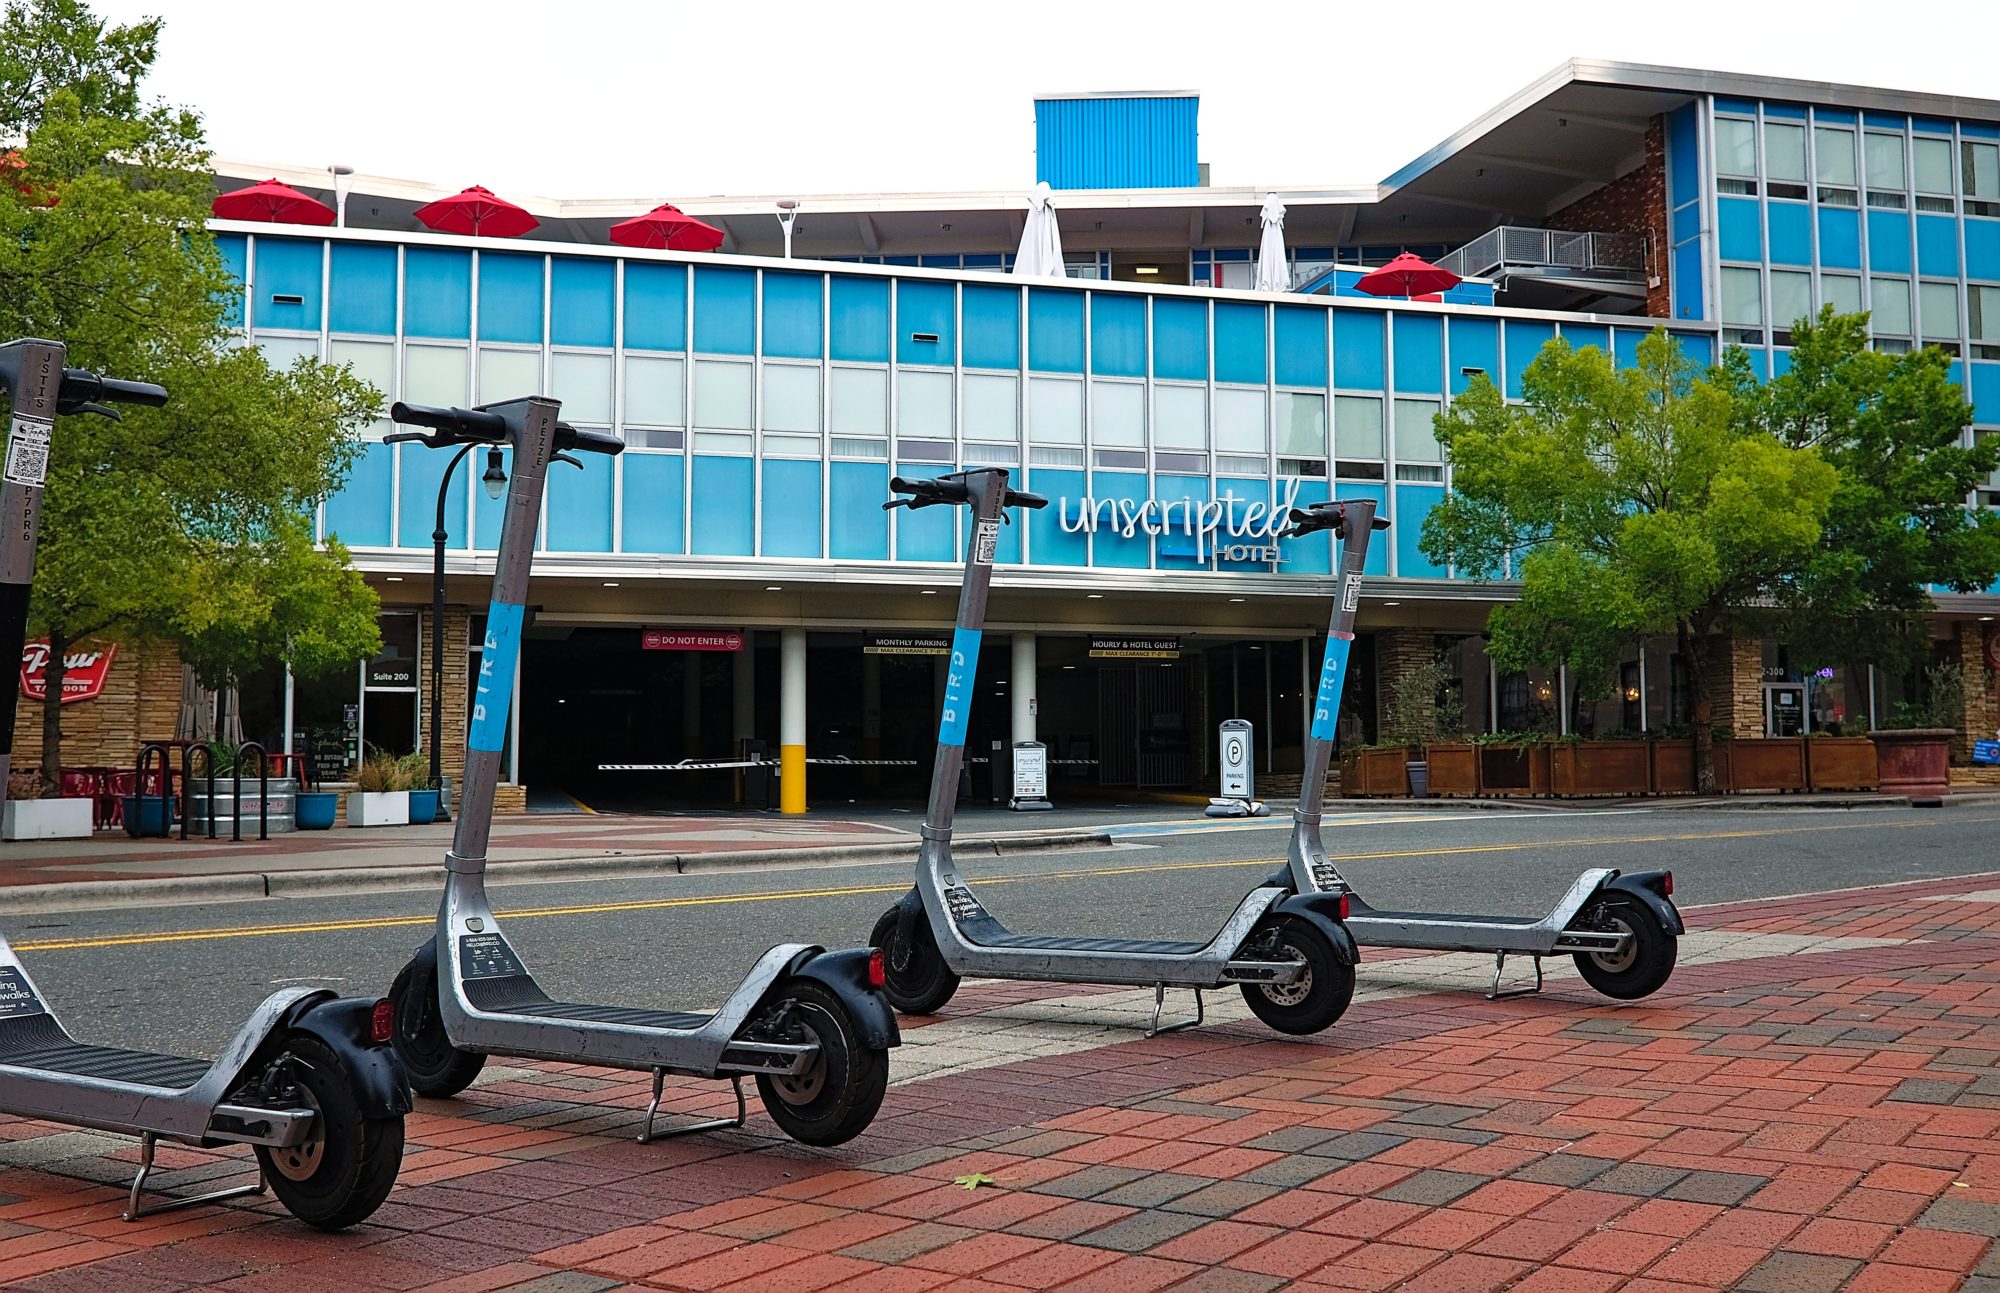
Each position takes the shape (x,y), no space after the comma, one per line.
(1069,666)
(397,579)
(611,583)
(1145,269)
(774,588)
(1392,603)
(1094,596)
(928,592)
(1236,599)
(1985,618)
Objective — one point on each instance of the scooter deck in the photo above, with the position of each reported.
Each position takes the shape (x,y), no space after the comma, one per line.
(985,937)
(37,1042)
(521,995)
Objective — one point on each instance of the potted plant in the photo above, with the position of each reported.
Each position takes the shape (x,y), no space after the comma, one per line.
(1841,760)
(416,771)
(1423,708)
(1914,752)
(381,795)
(28,816)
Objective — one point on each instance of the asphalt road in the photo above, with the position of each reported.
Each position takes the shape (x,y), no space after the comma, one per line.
(181,979)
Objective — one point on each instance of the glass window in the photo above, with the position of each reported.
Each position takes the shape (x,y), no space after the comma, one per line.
(373,362)
(583,384)
(508,374)
(860,401)
(722,395)
(1889,306)
(1785,152)
(791,398)
(1735,146)
(1841,291)
(1983,312)
(1301,425)
(1055,410)
(1980,173)
(1117,414)
(1357,426)
(653,390)
(282,352)
(1239,421)
(923,405)
(1416,435)
(1884,154)
(1180,417)
(1833,155)
(992,407)
(1742,300)
(1930,162)
(1938,304)
(1791,297)
(791,446)
(434,374)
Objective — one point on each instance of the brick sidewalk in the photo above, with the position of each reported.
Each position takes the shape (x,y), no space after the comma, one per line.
(1811,1104)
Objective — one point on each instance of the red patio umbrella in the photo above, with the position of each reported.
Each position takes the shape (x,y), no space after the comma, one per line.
(1407,275)
(476,211)
(273,203)
(669,228)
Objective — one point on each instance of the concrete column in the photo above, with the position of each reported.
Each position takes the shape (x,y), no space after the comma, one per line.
(691,706)
(792,720)
(1024,687)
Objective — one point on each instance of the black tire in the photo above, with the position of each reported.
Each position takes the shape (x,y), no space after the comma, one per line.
(1647,962)
(925,982)
(833,1101)
(344,1171)
(436,1068)
(1317,999)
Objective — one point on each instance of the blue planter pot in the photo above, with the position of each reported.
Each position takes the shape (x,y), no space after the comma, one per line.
(147,815)
(423,807)
(316,809)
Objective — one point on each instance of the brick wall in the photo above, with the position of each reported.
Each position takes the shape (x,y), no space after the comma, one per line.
(1635,202)
(141,701)
(1397,652)
(1982,705)
(1736,685)
(457,690)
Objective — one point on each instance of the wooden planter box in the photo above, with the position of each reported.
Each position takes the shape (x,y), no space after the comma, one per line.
(1377,773)
(1579,768)
(1454,768)
(1513,769)
(1760,763)
(1841,763)
(1673,766)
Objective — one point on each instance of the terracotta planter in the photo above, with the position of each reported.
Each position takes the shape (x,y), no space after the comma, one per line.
(1915,762)
(1673,766)
(1761,763)
(1578,768)
(1841,763)
(1454,768)
(1376,773)
(1514,770)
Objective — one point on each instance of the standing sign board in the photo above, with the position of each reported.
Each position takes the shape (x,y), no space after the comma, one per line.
(1031,777)
(1239,773)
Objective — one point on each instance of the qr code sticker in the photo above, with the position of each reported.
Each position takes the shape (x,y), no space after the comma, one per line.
(1350,597)
(28,453)
(988,541)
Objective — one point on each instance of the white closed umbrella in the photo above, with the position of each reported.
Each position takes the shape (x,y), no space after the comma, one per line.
(1273,273)
(1041,253)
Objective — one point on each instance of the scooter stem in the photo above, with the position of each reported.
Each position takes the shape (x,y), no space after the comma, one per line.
(531,424)
(1358,523)
(31,372)
(988,487)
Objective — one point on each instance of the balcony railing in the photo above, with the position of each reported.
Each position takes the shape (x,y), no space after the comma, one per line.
(1512,249)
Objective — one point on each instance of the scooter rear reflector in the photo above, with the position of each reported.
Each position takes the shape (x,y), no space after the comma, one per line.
(878,969)
(1343,906)
(382,1023)
(1667,886)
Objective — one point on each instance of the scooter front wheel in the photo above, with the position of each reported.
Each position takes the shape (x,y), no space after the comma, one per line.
(1318,997)
(925,982)
(341,1173)
(1647,961)
(839,1093)
(436,1068)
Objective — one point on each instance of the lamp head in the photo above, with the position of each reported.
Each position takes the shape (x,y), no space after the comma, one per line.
(495,477)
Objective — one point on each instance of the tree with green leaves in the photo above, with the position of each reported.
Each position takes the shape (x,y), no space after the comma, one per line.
(1629,503)
(189,524)
(1893,427)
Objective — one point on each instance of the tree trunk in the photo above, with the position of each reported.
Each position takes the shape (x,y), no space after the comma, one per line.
(1694,650)
(52,681)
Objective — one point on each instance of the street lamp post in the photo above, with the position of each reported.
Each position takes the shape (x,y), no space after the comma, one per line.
(788,211)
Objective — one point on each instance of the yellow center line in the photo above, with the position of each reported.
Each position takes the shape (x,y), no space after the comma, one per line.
(848,891)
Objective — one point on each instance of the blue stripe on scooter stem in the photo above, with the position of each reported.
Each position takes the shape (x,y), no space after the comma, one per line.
(498,659)
(958,687)
(1332,673)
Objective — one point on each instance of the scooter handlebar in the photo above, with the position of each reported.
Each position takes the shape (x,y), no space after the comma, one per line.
(83,391)
(568,437)
(1022,498)
(451,423)
(927,493)
(1329,515)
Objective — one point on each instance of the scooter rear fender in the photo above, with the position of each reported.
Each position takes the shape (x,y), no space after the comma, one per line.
(1322,912)
(342,1024)
(1650,888)
(845,974)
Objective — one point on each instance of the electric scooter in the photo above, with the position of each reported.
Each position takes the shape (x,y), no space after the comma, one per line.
(810,1025)
(1621,929)
(1284,945)
(309,1082)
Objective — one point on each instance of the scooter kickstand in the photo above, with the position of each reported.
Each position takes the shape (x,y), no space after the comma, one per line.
(132,1209)
(1499,965)
(648,1136)
(1159,1003)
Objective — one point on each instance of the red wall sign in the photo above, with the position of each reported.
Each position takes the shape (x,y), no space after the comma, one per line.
(1993,649)
(84,672)
(691,639)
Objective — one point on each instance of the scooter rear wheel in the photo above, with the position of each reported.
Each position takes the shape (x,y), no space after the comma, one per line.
(831,1102)
(1321,994)
(436,1067)
(1647,961)
(344,1170)
(925,982)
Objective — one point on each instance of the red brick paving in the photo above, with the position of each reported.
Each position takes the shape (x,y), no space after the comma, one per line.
(1813,1121)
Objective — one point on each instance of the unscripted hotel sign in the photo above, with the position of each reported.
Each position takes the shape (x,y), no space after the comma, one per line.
(1218,526)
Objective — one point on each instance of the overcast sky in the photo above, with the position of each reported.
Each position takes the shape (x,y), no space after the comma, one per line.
(591,98)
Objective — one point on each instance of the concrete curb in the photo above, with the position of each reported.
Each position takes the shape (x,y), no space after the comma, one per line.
(241,886)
